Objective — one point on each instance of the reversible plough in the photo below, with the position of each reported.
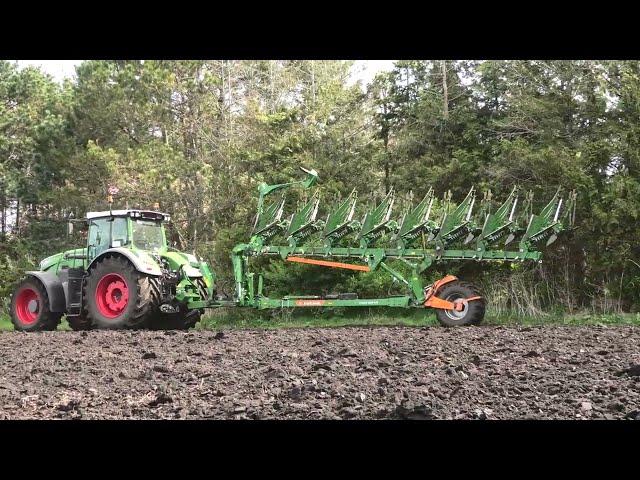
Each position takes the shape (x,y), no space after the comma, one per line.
(417,240)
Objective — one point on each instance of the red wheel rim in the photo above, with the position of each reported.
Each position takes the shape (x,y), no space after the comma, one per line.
(112,295)
(28,306)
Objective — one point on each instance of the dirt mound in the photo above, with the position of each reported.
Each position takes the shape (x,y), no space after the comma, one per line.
(361,373)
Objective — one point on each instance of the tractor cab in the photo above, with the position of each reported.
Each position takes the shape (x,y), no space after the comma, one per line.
(133,229)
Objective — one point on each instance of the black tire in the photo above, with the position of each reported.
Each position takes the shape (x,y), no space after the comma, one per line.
(79,322)
(176,321)
(202,288)
(30,307)
(185,319)
(473,312)
(143,295)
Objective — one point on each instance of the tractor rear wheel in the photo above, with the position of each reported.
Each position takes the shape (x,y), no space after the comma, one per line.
(30,308)
(118,296)
(472,312)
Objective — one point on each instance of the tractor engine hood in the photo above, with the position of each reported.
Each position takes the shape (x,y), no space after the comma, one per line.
(185,261)
(52,260)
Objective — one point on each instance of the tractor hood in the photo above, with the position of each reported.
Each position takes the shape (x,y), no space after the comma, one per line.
(52,260)
(189,263)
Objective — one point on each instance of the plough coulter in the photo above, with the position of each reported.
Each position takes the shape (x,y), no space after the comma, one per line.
(128,277)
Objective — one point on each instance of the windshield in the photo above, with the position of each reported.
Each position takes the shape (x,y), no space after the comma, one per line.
(147,235)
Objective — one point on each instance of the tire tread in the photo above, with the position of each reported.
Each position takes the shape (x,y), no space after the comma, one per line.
(44,324)
(147,290)
(476,307)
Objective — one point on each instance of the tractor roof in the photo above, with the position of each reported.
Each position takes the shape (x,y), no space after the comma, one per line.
(142,214)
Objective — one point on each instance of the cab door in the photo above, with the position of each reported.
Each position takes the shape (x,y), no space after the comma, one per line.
(98,238)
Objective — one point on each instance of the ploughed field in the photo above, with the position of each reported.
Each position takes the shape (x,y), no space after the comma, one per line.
(340,373)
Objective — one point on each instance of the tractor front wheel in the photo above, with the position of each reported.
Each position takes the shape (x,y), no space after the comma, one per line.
(118,296)
(472,312)
(30,308)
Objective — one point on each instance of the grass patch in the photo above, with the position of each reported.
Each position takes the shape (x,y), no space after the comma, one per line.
(233,320)
(238,319)
(412,318)
(583,318)
(5,323)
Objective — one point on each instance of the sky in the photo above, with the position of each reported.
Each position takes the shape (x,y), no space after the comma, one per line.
(58,69)
(363,70)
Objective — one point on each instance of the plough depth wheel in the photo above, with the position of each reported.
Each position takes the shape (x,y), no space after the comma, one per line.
(469,305)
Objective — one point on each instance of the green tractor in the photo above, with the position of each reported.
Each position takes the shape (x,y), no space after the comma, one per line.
(126,277)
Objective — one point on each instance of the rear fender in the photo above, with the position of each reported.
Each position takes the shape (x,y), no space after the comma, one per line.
(55,290)
(144,264)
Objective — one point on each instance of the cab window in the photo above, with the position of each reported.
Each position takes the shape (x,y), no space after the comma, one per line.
(120,234)
(148,235)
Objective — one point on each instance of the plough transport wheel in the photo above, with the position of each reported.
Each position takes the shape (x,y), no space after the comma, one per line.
(470,310)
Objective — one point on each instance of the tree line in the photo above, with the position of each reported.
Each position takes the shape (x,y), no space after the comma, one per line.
(197,137)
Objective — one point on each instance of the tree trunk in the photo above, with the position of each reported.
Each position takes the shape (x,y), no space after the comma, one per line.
(313,82)
(272,101)
(3,206)
(387,167)
(445,94)
(18,217)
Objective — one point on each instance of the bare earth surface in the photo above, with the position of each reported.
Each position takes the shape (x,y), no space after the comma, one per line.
(362,373)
